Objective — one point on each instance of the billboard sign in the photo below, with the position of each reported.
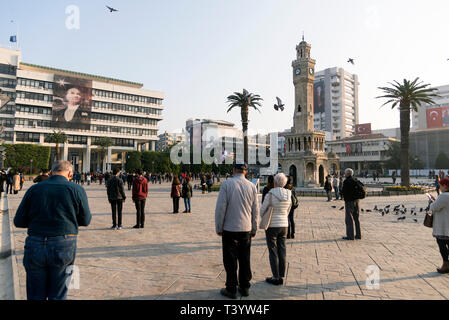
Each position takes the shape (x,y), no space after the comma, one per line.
(438,117)
(72,103)
(353,149)
(363,128)
(318,98)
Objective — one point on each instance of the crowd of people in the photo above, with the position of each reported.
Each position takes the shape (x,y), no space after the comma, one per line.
(238,215)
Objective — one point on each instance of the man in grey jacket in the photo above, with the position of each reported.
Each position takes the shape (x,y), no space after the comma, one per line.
(236,220)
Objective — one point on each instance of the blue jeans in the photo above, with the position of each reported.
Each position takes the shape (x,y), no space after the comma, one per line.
(187,204)
(336,193)
(46,261)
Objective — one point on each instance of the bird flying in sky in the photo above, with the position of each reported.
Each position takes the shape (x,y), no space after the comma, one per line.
(111,9)
(279,105)
(351,61)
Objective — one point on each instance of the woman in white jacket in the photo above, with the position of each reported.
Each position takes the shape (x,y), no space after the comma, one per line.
(440,212)
(278,203)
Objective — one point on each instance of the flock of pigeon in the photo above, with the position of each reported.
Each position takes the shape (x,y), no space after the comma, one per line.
(399,210)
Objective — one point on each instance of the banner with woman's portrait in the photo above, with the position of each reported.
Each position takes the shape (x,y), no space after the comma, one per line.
(72,103)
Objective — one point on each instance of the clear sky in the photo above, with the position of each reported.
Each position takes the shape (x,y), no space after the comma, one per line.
(200,51)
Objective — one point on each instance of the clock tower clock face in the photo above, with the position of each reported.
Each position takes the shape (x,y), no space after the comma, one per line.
(298,72)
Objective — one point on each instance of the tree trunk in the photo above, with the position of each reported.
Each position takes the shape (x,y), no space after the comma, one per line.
(245,133)
(405,145)
(58,150)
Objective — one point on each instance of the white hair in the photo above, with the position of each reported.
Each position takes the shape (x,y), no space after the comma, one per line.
(349,171)
(61,166)
(281,180)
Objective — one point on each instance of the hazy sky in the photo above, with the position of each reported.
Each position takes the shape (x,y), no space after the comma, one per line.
(200,51)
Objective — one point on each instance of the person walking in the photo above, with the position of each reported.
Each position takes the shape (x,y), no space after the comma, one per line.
(268,187)
(440,213)
(100,178)
(328,188)
(291,215)
(116,197)
(203,183)
(393,176)
(351,207)
(9,182)
(336,185)
(277,203)
(129,180)
(140,193)
(52,210)
(236,221)
(187,193)
(437,184)
(16,183)
(175,194)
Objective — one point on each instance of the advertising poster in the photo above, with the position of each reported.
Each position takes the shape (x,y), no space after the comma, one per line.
(318,97)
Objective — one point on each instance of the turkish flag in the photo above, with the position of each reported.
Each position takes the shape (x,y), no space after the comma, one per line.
(434,118)
(348,149)
(363,128)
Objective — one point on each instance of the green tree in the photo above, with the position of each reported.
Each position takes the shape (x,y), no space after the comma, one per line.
(57,137)
(442,161)
(244,101)
(19,156)
(103,143)
(133,161)
(394,158)
(408,95)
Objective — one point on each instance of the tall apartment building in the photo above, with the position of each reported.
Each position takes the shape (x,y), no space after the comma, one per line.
(336,102)
(168,139)
(84,106)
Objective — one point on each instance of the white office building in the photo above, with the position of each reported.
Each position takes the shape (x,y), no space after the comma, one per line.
(336,102)
(433,116)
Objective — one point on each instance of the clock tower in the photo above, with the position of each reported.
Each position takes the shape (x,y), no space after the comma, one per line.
(304,158)
(303,79)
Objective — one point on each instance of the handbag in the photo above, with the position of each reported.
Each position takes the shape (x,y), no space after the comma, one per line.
(266,219)
(428,221)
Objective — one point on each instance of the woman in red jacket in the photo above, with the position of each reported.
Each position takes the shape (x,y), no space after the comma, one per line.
(140,193)
(176,194)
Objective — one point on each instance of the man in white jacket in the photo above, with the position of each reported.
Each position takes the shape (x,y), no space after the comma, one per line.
(236,220)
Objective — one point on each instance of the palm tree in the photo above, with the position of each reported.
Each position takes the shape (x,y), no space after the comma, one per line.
(408,95)
(244,101)
(57,138)
(104,143)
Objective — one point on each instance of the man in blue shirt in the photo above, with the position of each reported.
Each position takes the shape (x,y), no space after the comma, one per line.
(52,211)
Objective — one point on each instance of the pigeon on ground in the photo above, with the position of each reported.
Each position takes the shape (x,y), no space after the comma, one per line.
(368,210)
(375,208)
(342,208)
(401,218)
(362,210)
(334,207)
(415,220)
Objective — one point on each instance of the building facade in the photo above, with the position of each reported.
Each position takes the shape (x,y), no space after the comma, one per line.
(305,159)
(366,152)
(85,107)
(168,139)
(428,144)
(433,116)
(336,102)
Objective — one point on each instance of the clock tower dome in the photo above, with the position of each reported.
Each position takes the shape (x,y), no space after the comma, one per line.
(303,79)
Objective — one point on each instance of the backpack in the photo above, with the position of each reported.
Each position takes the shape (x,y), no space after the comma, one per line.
(359,190)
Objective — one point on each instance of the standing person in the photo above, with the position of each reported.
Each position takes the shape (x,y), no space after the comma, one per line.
(187,193)
(328,188)
(52,211)
(203,184)
(88,178)
(209,183)
(340,187)
(440,212)
(44,176)
(129,180)
(437,184)
(22,180)
(9,182)
(107,176)
(140,193)
(100,178)
(268,187)
(291,215)
(351,207)
(393,176)
(16,183)
(336,185)
(279,201)
(2,181)
(236,221)
(175,194)
(116,197)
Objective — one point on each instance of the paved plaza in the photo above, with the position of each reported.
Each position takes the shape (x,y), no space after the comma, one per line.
(179,256)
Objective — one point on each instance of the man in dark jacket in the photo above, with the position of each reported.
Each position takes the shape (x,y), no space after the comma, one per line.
(44,176)
(351,207)
(140,193)
(116,197)
(129,179)
(52,211)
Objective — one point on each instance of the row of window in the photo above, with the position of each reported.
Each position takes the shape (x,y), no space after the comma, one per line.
(38,84)
(33,109)
(124,119)
(7,135)
(8,83)
(125,96)
(119,142)
(27,137)
(34,96)
(8,109)
(8,69)
(124,107)
(121,130)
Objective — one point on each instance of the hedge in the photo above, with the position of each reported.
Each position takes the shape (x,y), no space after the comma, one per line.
(19,156)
